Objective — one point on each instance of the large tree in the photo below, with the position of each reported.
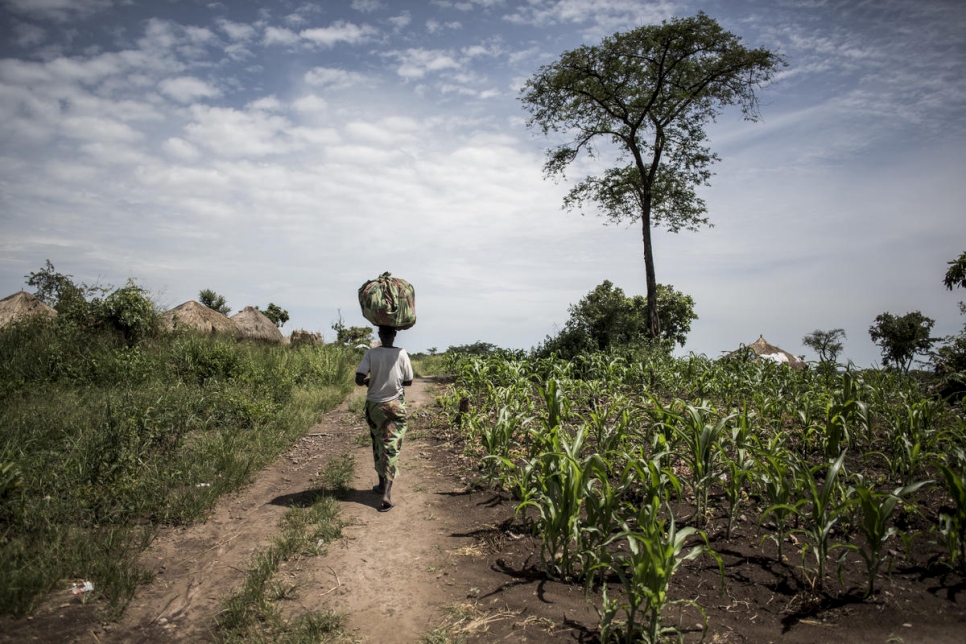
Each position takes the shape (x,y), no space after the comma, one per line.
(642,98)
(827,344)
(902,337)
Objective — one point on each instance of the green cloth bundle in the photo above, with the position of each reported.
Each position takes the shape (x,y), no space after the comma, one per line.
(388,301)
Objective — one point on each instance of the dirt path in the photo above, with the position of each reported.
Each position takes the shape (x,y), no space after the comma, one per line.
(369,575)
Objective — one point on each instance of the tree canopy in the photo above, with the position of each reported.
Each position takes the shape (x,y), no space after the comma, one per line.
(902,337)
(214,301)
(606,318)
(276,314)
(642,98)
(827,344)
(956,275)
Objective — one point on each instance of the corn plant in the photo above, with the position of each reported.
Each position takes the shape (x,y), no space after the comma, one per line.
(738,475)
(952,524)
(821,508)
(876,510)
(497,439)
(776,480)
(560,482)
(608,434)
(913,436)
(656,548)
(700,436)
(605,506)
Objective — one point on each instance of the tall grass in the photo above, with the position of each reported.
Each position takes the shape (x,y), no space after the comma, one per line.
(103,441)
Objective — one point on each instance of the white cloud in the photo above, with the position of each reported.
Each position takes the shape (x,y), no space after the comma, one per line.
(416,63)
(401,21)
(339,31)
(435,26)
(266,104)
(333,77)
(232,133)
(180,149)
(59,10)
(310,104)
(388,133)
(280,36)
(602,17)
(236,30)
(186,89)
(367,6)
(94,128)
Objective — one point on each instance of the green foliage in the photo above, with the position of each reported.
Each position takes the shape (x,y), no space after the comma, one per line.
(352,336)
(606,319)
(952,523)
(130,312)
(59,290)
(827,344)
(276,314)
(644,96)
(956,275)
(656,548)
(213,301)
(876,510)
(597,450)
(478,348)
(951,356)
(103,441)
(902,338)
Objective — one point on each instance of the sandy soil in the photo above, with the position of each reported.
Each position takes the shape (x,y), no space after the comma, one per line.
(451,558)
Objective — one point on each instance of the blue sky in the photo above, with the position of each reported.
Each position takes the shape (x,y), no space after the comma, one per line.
(287,152)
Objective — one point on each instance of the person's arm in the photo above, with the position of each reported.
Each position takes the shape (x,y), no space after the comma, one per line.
(362,371)
(407,370)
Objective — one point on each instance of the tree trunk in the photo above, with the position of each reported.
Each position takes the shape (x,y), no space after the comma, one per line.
(653,322)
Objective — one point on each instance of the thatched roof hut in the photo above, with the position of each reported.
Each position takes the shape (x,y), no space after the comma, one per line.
(197,316)
(255,325)
(22,305)
(765,351)
(301,336)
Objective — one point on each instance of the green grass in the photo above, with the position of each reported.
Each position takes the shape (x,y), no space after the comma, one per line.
(432,365)
(251,614)
(102,442)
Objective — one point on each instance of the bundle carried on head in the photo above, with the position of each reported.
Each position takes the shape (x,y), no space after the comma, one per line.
(388,301)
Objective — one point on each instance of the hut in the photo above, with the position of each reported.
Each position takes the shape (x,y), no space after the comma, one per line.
(198,317)
(303,337)
(255,325)
(762,350)
(22,305)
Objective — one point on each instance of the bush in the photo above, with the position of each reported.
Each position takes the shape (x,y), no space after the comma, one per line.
(130,312)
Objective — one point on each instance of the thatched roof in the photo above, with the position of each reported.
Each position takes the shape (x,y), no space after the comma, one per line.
(22,305)
(766,351)
(196,316)
(254,324)
(301,336)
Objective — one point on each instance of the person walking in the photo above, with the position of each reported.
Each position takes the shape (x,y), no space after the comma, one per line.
(385,370)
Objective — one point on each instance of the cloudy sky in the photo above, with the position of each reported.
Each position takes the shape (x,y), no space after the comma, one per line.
(287,152)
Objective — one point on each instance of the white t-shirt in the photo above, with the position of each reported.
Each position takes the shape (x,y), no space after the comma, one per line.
(388,368)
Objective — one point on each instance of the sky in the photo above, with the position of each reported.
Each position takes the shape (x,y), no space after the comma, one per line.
(287,152)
